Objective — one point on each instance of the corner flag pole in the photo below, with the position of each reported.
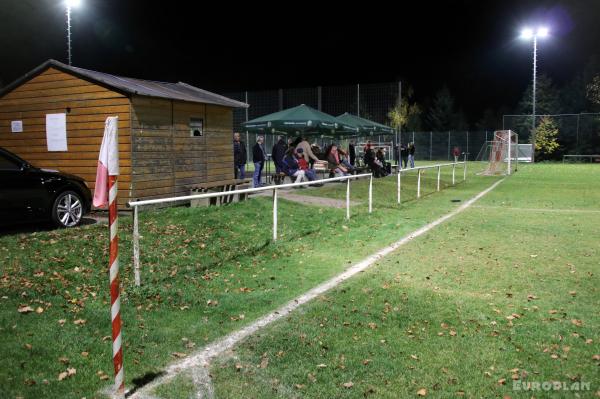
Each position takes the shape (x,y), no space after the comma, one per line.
(105,191)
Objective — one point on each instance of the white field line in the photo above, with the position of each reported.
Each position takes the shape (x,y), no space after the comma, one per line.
(201,359)
(558,210)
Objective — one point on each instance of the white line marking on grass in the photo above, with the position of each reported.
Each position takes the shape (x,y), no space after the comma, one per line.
(201,360)
(558,210)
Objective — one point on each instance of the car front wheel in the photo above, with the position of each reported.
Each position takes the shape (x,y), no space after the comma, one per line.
(67,209)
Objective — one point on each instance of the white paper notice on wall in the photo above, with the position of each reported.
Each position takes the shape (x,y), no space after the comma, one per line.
(56,132)
(16,126)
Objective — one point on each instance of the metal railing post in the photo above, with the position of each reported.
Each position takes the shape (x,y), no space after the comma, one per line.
(136,247)
(465,169)
(275,214)
(399,184)
(453,173)
(419,183)
(438,177)
(348,199)
(371,194)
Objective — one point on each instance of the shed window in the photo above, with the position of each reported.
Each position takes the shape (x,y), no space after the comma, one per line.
(196,127)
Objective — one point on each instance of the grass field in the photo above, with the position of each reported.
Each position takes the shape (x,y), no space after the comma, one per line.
(207,272)
(509,290)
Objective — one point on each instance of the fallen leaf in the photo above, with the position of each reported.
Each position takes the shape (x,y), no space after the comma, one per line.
(502,381)
(414,357)
(299,386)
(39,310)
(452,332)
(62,322)
(24,309)
(348,384)
(372,326)
(64,360)
(179,354)
(62,375)
(572,293)
(553,311)
(264,362)
(577,322)
(422,392)
(28,346)
(84,354)
(321,366)
(366,361)
(79,322)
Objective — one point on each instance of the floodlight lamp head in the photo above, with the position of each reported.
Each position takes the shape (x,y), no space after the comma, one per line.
(527,33)
(542,32)
(72,3)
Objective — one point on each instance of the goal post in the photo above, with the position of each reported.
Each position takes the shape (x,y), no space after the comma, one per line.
(500,156)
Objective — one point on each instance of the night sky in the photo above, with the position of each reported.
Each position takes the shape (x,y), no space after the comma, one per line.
(471,46)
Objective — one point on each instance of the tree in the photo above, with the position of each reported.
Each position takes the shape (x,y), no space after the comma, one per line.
(406,115)
(442,115)
(547,98)
(545,138)
(593,90)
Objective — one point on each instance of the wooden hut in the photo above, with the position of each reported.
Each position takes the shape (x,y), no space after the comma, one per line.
(172,136)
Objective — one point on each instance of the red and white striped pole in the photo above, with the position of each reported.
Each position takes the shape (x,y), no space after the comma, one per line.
(115,300)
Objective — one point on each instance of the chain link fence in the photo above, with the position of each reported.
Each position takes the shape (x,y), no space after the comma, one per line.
(577,133)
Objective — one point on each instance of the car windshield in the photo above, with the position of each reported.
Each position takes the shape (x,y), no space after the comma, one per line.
(8,156)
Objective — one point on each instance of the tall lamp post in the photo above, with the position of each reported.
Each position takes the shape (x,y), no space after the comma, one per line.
(529,34)
(69,4)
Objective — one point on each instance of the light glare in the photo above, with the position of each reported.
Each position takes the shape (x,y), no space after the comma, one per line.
(542,32)
(72,3)
(526,33)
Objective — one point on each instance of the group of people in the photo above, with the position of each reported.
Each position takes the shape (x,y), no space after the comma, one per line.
(407,155)
(296,158)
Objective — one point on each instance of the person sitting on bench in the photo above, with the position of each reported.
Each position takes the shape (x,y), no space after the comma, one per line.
(310,174)
(372,162)
(291,167)
(334,163)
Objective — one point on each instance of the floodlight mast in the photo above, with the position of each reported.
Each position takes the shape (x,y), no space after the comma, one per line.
(68,5)
(528,34)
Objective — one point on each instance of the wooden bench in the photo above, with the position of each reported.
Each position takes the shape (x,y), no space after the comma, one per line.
(218,187)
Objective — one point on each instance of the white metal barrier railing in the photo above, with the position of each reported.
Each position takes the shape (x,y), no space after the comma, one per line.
(419,170)
(136,204)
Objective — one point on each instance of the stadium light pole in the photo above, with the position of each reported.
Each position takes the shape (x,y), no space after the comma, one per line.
(529,34)
(69,4)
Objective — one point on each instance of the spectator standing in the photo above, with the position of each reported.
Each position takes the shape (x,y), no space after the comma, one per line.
(456,153)
(404,155)
(258,157)
(411,154)
(306,150)
(277,153)
(239,157)
(352,153)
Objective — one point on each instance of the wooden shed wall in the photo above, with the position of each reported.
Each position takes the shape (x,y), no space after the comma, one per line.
(166,160)
(54,91)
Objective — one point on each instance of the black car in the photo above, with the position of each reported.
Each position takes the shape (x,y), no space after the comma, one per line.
(31,194)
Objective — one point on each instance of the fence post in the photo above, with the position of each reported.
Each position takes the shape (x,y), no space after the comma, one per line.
(371,194)
(348,199)
(448,145)
(465,169)
(419,183)
(399,182)
(453,172)
(430,145)
(136,247)
(438,177)
(275,214)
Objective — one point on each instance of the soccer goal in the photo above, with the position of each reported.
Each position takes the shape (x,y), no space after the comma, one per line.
(501,155)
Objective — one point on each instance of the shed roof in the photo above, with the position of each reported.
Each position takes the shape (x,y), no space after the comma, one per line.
(172,91)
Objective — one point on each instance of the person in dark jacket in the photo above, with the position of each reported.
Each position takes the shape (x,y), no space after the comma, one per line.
(380,155)
(258,157)
(291,167)
(352,153)
(277,153)
(239,157)
(411,154)
(372,162)
(404,155)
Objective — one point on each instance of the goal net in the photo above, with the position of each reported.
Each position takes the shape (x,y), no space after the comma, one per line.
(500,155)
